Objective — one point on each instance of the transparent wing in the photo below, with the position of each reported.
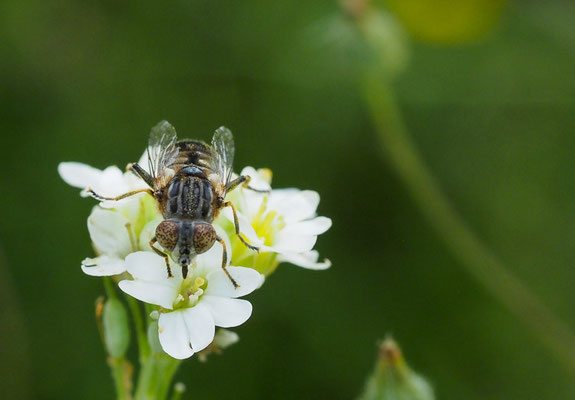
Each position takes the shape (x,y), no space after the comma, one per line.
(161,147)
(223,148)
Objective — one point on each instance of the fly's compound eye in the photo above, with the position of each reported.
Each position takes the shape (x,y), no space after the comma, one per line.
(204,237)
(167,234)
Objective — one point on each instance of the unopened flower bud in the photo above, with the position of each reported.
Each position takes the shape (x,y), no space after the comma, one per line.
(153,338)
(447,22)
(372,38)
(386,39)
(116,328)
(223,339)
(393,379)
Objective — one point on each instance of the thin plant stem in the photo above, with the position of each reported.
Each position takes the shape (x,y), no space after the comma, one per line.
(156,375)
(141,336)
(122,373)
(109,287)
(474,255)
(169,367)
(178,391)
(147,380)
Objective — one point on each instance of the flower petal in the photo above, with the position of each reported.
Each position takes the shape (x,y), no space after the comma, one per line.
(286,242)
(201,326)
(149,266)
(314,226)
(158,293)
(173,335)
(112,182)
(79,175)
(305,260)
(246,228)
(260,179)
(220,285)
(103,266)
(294,204)
(108,230)
(228,312)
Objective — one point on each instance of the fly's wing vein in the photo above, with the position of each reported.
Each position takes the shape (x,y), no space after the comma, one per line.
(223,157)
(161,147)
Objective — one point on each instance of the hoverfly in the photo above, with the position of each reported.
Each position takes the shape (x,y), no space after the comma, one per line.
(190,180)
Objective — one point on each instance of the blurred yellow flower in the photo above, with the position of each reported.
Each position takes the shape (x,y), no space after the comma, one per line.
(447,21)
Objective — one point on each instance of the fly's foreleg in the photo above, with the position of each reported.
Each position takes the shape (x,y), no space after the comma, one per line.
(225,261)
(142,173)
(120,197)
(161,253)
(243,180)
(237,226)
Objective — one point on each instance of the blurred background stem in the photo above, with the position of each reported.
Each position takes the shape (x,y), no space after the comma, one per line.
(474,255)
(14,337)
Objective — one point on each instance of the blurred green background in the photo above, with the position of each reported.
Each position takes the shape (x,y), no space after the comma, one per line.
(494,118)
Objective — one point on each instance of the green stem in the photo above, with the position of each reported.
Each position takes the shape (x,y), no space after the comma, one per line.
(109,287)
(157,369)
(141,336)
(147,380)
(121,371)
(474,255)
(170,367)
(156,377)
(178,391)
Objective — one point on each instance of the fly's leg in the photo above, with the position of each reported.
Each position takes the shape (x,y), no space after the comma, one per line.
(225,261)
(120,197)
(237,226)
(243,180)
(236,182)
(142,173)
(161,253)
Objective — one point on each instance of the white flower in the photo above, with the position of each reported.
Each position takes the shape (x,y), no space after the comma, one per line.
(191,308)
(121,227)
(283,221)
(110,182)
(117,232)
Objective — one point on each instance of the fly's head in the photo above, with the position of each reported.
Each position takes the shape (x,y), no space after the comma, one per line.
(195,238)
(176,237)
(185,239)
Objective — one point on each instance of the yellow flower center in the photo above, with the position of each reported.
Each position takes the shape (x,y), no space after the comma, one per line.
(191,290)
(267,224)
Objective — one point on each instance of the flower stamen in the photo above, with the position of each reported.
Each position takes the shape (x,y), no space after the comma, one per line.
(131,235)
(190,292)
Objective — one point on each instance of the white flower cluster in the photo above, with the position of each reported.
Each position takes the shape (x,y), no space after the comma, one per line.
(281,222)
